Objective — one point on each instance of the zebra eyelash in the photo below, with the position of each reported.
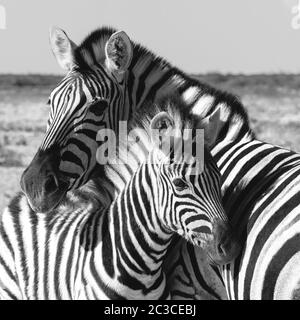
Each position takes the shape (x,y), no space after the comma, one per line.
(96,99)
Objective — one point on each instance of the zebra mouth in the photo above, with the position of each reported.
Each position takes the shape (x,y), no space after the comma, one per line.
(219,253)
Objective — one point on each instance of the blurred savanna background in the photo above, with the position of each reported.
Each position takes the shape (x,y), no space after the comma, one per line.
(272,101)
(250,48)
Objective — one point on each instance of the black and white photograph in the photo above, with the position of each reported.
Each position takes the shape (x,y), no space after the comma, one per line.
(150,150)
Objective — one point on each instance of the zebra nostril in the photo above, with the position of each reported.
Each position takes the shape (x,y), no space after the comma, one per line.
(220,249)
(51,184)
(224,245)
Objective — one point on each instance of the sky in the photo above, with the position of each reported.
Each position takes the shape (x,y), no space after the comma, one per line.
(197,36)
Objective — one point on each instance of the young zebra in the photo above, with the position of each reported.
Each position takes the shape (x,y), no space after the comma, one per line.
(261,193)
(117,252)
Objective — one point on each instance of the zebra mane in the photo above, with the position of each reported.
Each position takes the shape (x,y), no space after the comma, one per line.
(91,52)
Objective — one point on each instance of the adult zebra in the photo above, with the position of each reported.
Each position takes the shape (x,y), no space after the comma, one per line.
(117,252)
(118,76)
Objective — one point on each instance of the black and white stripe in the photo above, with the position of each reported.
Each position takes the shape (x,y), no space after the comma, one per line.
(148,76)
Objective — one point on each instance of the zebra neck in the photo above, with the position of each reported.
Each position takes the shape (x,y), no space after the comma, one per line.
(137,239)
(149,79)
(146,79)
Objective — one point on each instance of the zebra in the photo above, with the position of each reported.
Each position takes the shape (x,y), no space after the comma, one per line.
(108,78)
(261,193)
(126,75)
(116,252)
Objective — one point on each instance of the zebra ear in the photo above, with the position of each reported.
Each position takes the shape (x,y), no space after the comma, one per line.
(118,51)
(62,48)
(162,127)
(212,126)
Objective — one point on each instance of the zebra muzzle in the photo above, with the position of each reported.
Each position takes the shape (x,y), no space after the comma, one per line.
(42,184)
(225,246)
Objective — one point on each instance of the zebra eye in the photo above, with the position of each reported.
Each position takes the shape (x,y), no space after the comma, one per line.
(48,102)
(98,107)
(179,184)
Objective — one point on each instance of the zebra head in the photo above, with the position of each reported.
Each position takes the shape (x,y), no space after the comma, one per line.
(90,97)
(189,187)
